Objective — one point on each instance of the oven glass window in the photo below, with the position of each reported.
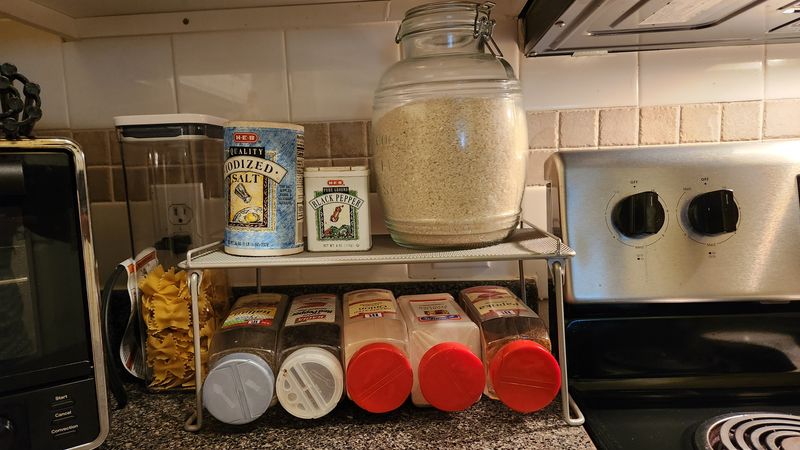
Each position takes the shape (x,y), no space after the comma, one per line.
(43,312)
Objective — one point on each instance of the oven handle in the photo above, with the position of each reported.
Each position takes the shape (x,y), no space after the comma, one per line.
(112,374)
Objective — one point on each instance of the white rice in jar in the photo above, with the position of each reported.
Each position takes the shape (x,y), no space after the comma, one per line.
(451,171)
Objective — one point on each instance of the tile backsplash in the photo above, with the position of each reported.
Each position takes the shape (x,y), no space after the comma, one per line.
(324,78)
(697,123)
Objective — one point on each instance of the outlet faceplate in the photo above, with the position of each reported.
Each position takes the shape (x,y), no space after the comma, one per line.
(178,210)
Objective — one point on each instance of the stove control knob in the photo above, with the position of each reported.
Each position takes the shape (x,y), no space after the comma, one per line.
(6,433)
(714,212)
(639,215)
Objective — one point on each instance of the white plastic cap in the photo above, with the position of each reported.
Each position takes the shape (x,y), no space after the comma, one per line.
(166,119)
(239,388)
(310,383)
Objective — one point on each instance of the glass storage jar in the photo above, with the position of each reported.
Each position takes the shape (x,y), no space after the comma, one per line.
(450,134)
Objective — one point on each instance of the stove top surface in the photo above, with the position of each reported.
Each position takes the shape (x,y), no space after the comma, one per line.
(757,430)
(660,378)
(694,428)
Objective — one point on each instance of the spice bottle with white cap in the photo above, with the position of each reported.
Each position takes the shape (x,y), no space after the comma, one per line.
(521,371)
(310,379)
(240,383)
(445,347)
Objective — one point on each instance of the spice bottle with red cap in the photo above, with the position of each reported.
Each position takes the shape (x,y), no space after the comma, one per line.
(521,371)
(378,374)
(444,346)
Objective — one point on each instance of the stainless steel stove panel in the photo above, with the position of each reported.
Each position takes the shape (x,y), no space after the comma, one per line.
(747,250)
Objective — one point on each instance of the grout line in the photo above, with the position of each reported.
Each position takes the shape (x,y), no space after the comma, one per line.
(558,130)
(764,72)
(638,80)
(66,89)
(286,75)
(174,74)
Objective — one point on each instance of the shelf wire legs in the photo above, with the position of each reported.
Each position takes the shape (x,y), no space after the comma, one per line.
(568,405)
(195,421)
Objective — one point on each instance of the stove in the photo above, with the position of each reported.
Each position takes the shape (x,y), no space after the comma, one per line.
(683,301)
(756,430)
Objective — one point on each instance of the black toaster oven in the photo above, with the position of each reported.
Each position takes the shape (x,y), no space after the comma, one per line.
(52,377)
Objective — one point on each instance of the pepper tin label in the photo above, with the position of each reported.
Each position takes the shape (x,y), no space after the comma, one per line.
(263,189)
(337,211)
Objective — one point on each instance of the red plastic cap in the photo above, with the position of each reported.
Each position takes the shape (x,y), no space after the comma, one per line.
(525,376)
(451,377)
(379,378)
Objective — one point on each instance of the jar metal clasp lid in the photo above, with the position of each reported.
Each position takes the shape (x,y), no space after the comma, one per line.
(483,27)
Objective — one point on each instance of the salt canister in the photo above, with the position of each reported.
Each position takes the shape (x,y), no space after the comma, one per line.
(263,188)
(337,207)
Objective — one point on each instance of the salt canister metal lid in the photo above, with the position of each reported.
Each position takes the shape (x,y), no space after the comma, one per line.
(328,171)
(262,124)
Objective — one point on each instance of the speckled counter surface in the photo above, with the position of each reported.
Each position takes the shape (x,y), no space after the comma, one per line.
(156,421)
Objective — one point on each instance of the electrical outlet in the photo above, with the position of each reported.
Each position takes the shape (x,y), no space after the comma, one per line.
(179,213)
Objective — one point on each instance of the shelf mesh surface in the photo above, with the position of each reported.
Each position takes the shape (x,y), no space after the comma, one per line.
(523,244)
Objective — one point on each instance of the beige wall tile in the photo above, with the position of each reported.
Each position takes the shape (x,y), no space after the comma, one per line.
(54,134)
(373,180)
(99,180)
(341,162)
(213,181)
(701,123)
(111,235)
(542,129)
(619,126)
(348,139)
(370,143)
(781,119)
(95,147)
(139,184)
(658,125)
(577,128)
(741,121)
(326,162)
(317,140)
(535,174)
(118,183)
(114,148)
(167,175)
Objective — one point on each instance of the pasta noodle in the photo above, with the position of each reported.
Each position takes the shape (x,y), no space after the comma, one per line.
(166,314)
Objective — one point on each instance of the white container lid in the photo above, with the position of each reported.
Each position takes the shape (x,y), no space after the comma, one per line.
(239,388)
(327,172)
(167,119)
(310,383)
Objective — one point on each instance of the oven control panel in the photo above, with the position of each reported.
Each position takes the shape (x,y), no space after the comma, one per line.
(684,223)
(56,417)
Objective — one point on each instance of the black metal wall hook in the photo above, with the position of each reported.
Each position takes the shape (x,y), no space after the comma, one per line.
(18,112)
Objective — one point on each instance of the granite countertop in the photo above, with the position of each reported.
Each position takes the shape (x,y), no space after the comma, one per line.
(156,421)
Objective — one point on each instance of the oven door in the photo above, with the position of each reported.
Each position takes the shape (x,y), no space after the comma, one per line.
(52,376)
(44,329)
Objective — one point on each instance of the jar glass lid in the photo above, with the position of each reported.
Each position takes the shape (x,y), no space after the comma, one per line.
(450,16)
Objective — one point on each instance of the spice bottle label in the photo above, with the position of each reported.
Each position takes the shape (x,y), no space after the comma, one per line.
(493,302)
(335,213)
(433,310)
(371,309)
(320,309)
(246,317)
